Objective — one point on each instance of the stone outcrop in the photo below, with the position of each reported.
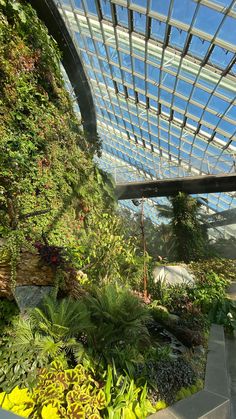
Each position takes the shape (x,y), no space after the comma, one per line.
(30,271)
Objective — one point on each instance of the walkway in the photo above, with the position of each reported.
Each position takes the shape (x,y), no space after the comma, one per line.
(230,342)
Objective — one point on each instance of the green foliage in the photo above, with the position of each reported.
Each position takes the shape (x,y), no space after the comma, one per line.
(188,391)
(105,254)
(65,393)
(118,316)
(159,238)
(60,393)
(8,311)
(224,268)
(50,186)
(171,376)
(209,290)
(61,319)
(223,311)
(20,360)
(34,342)
(190,236)
(124,398)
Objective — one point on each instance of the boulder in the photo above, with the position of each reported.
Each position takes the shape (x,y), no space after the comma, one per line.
(173,275)
(30,296)
(30,271)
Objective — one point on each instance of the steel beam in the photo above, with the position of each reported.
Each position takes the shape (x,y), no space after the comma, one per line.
(48,12)
(170,187)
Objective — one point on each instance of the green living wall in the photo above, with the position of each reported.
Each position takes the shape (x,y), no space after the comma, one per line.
(51,192)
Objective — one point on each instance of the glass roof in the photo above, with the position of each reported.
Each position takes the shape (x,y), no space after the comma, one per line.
(163,79)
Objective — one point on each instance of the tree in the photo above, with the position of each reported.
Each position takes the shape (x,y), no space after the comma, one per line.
(189,234)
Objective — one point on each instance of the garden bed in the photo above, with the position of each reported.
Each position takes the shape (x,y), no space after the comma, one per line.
(213,400)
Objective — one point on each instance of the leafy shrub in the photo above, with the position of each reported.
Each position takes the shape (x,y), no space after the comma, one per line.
(66,393)
(224,268)
(34,342)
(124,398)
(59,393)
(190,236)
(119,318)
(224,312)
(8,310)
(61,319)
(20,363)
(171,376)
(188,391)
(208,290)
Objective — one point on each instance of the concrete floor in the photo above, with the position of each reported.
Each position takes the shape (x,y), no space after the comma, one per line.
(230,342)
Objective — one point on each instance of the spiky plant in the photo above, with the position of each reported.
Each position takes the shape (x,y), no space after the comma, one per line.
(118,316)
(61,319)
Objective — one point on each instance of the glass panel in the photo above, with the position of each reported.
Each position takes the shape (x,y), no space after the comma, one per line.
(227,126)
(221,57)
(231,112)
(139,66)
(207,20)
(153,73)
(177,37)
(78,3)
(139,22)
(91,6)
(90,45)
(122,15)
(116,72)
(200,96)
(106,9)
(227,32)
(125,60)
(183,10)
(161,7)
(139,83)
(142,3)
(166,96)
(168,80)
(158,29)
(198,47)
(101,49)
(113,54)
(218,104)
(184,88)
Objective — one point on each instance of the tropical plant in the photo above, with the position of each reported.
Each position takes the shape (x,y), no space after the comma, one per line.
(60,393)
(190,236)
(8,311)
(223,312)
(33,343)
(119,319)
(61,319)
(123,398)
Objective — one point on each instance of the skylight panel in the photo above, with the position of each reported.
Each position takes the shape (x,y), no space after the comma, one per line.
(220,56)
(227,32)
(183,10)
(198,47)
(91,6)
(139,22)
(207,20)
(122,15)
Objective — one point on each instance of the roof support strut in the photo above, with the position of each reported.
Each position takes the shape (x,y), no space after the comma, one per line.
(170,187)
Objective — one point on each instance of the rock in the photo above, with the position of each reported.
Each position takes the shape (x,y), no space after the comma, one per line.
(30,296)
(30,271)
(173,275)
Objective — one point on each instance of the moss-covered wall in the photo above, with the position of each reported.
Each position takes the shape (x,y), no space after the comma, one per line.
(51,191)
